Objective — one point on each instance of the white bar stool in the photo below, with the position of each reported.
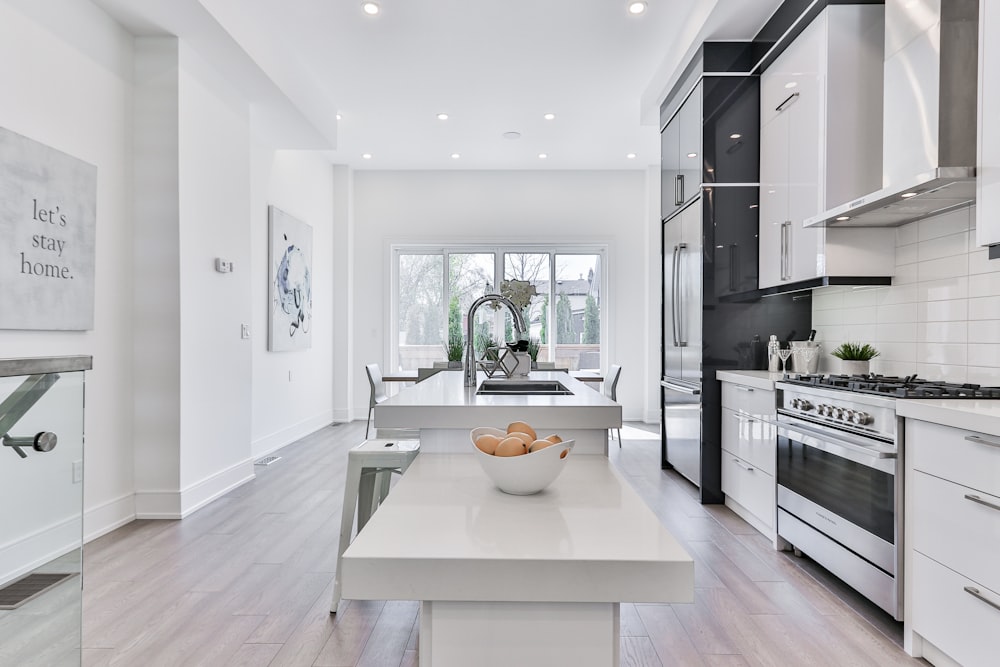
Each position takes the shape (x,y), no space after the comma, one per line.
(369,466)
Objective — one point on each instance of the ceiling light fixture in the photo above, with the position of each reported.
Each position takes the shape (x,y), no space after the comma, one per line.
(339,116)
(907,195)
(631,156)
(843,217)
(442,116)
(542,156)
(636,7)
(549,116)
(367,156)
(455,156)
(370,7)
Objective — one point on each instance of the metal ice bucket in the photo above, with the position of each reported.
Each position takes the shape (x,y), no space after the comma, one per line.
(805,356)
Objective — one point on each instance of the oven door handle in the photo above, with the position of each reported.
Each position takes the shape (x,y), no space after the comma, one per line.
(826,442)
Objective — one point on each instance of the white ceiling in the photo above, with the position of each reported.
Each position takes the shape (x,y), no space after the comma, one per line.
(493,66)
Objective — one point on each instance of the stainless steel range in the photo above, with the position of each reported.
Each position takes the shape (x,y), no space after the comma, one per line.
(840,474)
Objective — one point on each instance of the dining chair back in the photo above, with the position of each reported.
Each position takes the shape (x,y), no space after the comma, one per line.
(611,391)
(377,391)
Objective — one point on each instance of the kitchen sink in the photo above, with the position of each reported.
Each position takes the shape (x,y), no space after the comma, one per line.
(523,387)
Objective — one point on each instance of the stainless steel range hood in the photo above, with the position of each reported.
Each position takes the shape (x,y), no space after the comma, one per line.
(929,116)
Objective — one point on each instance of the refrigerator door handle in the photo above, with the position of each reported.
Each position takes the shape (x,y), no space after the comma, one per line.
(677,286)
(673,296)
(673,386)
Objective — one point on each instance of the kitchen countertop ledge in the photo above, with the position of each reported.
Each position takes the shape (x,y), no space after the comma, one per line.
(757,379)
(969,415)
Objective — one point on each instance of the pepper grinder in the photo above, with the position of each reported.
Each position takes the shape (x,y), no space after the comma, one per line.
(772,354)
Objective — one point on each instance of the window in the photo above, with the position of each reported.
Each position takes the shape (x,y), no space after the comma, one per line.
(434,288)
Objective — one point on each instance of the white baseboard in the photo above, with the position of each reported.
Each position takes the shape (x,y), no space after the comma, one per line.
(107,516)
(25,553)
(275,441)
(179,504)
(342,416)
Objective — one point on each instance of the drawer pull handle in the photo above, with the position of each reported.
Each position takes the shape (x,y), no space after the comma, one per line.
(979,440)
(741,388)
(737,462)
(976,499)
(742,416)
(974,592)
(788,99)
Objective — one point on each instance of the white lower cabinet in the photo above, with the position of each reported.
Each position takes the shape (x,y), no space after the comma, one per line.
(952,594)
(748,454)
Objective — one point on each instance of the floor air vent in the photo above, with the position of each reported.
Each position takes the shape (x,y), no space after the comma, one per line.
(266,461)
(17,593)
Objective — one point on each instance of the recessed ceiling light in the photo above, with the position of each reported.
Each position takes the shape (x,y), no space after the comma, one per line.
(636,7)
(542,156)
(455,156)
(339,117)
(442,116)
(692,155)
(791,84)
(843,217)
(367,156)
(549,116)
(370,7)
(735,135)
(907,195)
(511,135)
(631,156)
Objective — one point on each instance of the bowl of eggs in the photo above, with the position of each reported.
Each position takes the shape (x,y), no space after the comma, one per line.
(517,460)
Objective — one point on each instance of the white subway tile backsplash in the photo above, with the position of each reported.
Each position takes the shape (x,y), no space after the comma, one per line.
(943,332)
(827,298)
(897,351)
(984,331)
(954,354)
(980,262)
(860,315)
(985,354)
(899,368)
(899,294)
(984,375)
(907,254)
(897,333)
(905,274)
(942,290)
(953,310)
(944,246)
(984,308)
(898,312)
(907,234)
(984,284)
(860,297)
(952,222)
(946,267)
(942,372)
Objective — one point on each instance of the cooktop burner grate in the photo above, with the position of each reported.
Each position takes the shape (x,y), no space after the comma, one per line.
(895,387)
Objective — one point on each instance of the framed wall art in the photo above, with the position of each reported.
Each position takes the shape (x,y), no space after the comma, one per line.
(290,265)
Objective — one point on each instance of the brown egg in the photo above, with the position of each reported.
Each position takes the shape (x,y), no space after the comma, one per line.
(539,445)
(523,437)
(522,427)
(554,439)
(511,447)
(488,443)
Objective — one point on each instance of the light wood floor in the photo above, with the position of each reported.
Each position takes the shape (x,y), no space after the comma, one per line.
(247,581)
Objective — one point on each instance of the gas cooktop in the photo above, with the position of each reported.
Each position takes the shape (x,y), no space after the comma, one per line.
(893,386)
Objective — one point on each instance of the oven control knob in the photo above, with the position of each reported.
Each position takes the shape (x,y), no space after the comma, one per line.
(837,413)
(822,408)
(847,415)
(861,418)
(804,405)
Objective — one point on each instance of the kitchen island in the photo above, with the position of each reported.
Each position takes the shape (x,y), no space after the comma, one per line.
(444,410)
(516,580)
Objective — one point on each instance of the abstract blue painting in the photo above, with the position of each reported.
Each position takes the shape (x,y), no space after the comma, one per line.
(290,312)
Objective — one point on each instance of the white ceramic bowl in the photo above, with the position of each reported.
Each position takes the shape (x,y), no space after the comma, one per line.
(522,475)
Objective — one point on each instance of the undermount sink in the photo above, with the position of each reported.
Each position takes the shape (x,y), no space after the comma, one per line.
(523,387)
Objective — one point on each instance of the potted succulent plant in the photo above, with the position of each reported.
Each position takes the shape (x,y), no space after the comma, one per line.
(454,349)
(855,358)
(533,345)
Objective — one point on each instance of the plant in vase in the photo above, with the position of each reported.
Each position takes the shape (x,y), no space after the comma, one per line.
(533,346)
(855,358)
(454,350)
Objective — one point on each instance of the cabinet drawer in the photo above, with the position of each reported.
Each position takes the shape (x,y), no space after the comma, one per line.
(964,457)
(946,614)
(750,400)
(950,526)
(749,486)
(750,439)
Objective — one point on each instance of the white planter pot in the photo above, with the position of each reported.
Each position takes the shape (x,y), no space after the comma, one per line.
(854,367)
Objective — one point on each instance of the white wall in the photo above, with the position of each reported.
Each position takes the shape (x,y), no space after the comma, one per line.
(293,391)
(490,206)
(68,86)
(940,318)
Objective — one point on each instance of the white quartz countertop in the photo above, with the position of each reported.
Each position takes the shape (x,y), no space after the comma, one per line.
(972,415)
(443,402)
(756,379)
(446,533)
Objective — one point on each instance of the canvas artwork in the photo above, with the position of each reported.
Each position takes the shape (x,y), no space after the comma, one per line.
(48,225)
(290,313)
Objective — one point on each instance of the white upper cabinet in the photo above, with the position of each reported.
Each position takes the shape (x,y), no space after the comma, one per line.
(821,128)
(988,163)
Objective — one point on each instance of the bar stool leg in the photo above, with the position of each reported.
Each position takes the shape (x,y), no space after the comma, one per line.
(351,490)
(367,499)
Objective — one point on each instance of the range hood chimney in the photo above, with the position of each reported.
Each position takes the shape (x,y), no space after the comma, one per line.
(929,116)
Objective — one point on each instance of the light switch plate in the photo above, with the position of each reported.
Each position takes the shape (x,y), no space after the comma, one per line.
(244,331)
(77,472)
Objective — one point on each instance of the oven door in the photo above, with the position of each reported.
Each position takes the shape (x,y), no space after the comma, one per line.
(842,485)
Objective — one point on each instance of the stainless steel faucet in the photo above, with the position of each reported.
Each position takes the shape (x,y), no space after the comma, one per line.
(470,350)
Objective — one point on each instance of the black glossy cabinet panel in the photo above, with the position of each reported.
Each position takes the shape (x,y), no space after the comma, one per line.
(731,236)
